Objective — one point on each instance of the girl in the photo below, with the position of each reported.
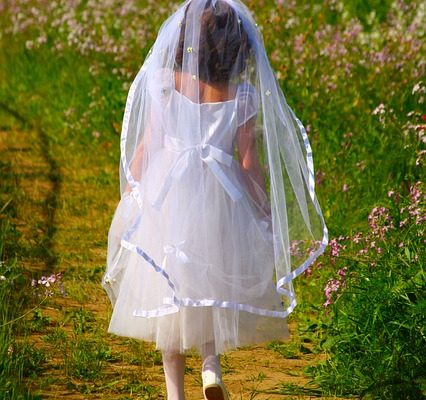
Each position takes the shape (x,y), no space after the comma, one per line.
(218,212)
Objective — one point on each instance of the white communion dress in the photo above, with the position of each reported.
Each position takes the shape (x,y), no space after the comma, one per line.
(201,249)
(191,261)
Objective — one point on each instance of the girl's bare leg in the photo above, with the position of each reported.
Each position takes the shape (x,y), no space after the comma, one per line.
(174,371)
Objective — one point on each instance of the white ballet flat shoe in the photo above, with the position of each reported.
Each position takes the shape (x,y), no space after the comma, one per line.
(213,387)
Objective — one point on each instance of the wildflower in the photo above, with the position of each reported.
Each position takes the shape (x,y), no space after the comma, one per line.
(403,222)
(415,194)
(380,109)
(327,303)
(357,238)
(294,247)
(335,247)
(331,85)
(344,187)
(417,88)
(331,287)
(380,221)
(48,282)
(424,117)
(391,193)
(361,165)
(421,153)
(299,43)
(2,278)
(318,177)
(42,39)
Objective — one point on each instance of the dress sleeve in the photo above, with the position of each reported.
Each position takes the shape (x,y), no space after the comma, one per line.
(248,103)
(160,84)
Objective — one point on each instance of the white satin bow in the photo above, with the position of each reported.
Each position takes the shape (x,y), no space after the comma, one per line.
(213,156)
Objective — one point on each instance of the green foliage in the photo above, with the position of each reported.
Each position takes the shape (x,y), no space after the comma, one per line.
(82,320)
(142,356)
(18,358)
(376,331)
(86,357)
(39,321)
(290,350)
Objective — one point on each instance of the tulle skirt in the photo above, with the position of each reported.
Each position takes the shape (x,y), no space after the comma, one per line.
(198,268)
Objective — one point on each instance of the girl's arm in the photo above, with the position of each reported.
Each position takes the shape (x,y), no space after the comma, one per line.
(136,164)
(249,162)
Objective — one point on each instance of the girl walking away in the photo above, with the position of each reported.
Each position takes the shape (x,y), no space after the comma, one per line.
(218,212)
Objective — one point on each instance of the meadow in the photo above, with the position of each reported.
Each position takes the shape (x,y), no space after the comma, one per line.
(354,73)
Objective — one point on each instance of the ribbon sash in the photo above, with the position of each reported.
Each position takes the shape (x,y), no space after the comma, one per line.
(213,156)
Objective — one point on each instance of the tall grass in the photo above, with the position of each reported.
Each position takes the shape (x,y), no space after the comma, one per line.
(18,358)
(375,333)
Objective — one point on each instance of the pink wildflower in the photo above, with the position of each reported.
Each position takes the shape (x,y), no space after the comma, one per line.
(335,247)
(357,238)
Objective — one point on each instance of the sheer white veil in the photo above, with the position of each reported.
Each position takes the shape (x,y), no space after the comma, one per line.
(211,52)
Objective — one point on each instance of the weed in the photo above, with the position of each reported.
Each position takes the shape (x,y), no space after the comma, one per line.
(143,354)
(82,320)
(86,357)
(290,350)
(57,338)
(39,321)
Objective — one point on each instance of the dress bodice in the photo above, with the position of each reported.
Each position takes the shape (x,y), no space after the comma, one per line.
(203,132)
(214,123)
(193,123)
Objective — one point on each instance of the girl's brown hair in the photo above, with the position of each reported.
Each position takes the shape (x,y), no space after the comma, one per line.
(224,46)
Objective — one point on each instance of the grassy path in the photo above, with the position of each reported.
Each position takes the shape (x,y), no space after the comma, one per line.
(65,195)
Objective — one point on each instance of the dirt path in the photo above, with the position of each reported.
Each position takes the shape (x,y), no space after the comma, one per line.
(66,200)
